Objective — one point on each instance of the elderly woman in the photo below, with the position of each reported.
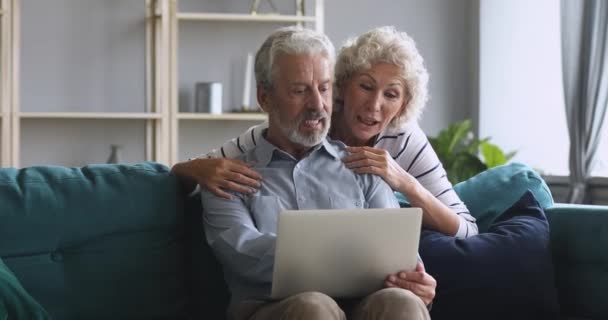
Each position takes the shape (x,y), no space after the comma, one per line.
(380,91)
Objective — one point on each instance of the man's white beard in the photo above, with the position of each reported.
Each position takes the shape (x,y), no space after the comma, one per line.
(290,129)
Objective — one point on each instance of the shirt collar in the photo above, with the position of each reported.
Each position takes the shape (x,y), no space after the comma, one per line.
(265,150)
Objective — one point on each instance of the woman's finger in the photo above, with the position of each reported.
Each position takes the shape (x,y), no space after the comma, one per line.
(235,187)
(365,148)
(369,170)
(244,169)
(242,179)
(359,156)
(219,192)
(364,163)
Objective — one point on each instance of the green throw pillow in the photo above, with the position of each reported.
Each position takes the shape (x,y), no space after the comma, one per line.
(493,191)
(15,302)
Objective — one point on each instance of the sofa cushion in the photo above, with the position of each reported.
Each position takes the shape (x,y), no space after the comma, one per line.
(491,192)
(579,240)
(505,273)
(98,242)
(15,302)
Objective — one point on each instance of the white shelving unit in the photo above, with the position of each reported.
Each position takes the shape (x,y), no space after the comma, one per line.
(90,115)
(225,117)
(8,77)
(161,117)
(167,34)
(156,120)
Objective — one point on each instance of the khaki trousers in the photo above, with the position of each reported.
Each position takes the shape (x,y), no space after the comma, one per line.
(385,304)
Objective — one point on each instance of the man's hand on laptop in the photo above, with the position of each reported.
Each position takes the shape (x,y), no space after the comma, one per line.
(418,281)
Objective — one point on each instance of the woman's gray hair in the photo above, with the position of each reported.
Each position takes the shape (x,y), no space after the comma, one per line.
(385,44)
(290,40)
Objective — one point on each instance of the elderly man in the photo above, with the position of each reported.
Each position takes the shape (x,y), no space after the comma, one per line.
(300,170)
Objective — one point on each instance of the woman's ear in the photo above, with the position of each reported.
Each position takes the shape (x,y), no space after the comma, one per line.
(338,99)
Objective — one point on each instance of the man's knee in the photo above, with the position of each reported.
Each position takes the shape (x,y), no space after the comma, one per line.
(394,303)
(312,305)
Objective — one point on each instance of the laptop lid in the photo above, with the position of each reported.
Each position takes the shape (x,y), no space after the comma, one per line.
(343,252)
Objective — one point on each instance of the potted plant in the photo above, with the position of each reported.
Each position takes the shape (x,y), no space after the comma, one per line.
(463,155)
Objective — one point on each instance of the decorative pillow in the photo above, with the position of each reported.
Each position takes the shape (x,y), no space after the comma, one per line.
(491,192)
(505,273)
(15,302)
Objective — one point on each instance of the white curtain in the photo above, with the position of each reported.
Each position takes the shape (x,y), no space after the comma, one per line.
(584,27)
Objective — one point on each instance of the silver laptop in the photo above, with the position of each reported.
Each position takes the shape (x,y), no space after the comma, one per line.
(343,253)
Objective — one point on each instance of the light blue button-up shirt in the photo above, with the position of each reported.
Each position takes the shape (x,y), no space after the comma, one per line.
(242,231)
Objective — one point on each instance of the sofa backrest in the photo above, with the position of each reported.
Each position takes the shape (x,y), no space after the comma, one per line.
(99,242)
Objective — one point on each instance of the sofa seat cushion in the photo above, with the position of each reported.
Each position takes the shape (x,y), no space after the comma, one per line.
(504,273)
(15,302)
(579,240)
(98,242)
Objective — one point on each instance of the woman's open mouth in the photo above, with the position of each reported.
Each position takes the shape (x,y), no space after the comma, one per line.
(368,121)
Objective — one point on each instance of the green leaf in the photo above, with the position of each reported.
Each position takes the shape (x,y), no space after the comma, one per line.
(464,167)
(492,155)
(510,155)
(459,133)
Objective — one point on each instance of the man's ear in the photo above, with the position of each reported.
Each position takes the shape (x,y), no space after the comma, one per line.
(263,96)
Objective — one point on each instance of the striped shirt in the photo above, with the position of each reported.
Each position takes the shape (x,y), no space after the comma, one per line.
(410,148)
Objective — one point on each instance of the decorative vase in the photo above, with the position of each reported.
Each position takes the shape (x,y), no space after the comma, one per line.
(115,156)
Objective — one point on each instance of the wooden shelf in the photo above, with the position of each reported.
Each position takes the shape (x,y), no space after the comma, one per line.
(90,115)
(243,17)
(253,116)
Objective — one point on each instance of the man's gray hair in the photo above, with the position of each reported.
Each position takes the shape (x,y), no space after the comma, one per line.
(290,40)
(385,44)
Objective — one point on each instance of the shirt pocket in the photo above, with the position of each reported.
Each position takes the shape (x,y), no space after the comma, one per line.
(340,201)
(264,211)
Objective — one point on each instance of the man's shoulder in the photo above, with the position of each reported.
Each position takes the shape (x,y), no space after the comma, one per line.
(338,147)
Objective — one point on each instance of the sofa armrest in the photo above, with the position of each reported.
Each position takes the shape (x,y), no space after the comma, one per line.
(579,241)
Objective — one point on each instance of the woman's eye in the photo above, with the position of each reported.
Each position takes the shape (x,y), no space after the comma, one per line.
(366,87)
(391,95)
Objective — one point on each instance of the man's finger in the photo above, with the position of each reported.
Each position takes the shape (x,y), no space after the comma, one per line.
(420,267)
(413,276)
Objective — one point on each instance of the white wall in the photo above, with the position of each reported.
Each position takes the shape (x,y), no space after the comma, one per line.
(88,55)
(521,99)
(446,35)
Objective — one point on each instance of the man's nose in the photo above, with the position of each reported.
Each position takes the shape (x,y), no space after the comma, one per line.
(316,100)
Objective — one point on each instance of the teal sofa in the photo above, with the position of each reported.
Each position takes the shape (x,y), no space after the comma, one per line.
(120,242)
